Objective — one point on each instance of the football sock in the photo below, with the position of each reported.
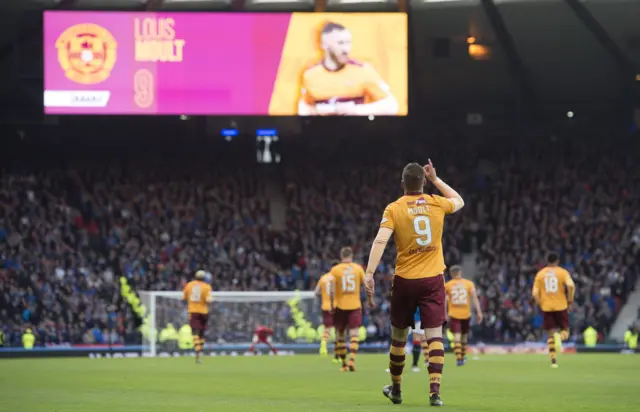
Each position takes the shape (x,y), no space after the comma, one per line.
(457,349)
(436,364)
(197,344)
(341,350)
(564,335)
(551,344)
(425,351)
(416,353)
(353,349)
(397,357)
(463,347)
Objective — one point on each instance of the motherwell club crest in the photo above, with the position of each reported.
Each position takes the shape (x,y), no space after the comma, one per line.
(86,53)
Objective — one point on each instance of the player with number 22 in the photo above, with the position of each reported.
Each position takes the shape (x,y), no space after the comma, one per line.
(416,221)
(460,293)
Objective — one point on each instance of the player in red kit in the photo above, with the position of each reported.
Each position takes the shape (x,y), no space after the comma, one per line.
(263,335)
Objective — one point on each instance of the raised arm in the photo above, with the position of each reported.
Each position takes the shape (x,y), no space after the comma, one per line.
(446,190)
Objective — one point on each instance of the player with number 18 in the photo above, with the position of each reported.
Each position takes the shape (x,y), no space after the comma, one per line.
(553,290)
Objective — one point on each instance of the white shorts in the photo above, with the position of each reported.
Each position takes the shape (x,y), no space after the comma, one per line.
(417,330)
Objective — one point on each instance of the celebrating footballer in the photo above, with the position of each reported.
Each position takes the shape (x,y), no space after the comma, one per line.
(341,86)
(416,221)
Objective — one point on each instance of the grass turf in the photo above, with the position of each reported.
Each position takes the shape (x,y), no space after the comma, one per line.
(312,384)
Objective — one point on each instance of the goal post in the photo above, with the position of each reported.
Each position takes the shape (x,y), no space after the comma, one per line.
(233,316)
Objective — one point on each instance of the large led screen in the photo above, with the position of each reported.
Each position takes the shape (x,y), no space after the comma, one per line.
(281,64)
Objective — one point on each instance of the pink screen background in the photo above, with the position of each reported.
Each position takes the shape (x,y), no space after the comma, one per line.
(229,67)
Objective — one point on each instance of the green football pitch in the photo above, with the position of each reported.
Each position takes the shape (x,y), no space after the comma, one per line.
(312,384)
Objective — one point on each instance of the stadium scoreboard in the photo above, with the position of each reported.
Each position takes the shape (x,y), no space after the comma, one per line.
(205,63)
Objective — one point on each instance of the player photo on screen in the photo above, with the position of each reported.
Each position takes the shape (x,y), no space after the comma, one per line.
(339,64)
(340,85)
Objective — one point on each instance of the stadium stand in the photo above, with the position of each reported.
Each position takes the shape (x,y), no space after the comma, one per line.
(573,200)
(67,233)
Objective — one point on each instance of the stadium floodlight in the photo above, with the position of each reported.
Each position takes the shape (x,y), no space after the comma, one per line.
(233,316)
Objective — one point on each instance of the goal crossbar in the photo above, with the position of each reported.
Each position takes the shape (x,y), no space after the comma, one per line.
(150,298)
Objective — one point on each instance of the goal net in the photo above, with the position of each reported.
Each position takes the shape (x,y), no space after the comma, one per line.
(233,317)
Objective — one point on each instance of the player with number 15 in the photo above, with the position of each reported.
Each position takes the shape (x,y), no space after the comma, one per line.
(416,221)
(347,277)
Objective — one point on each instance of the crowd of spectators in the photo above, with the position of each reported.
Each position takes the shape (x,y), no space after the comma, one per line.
(523,200)
(582,201)
(67,233)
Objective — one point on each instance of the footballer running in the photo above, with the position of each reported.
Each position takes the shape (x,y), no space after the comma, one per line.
(460,293)
(553,291)
(325,289)
(347,277)
(197,294)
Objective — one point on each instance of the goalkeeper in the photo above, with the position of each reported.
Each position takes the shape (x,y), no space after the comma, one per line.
(262,334)
(197,293)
